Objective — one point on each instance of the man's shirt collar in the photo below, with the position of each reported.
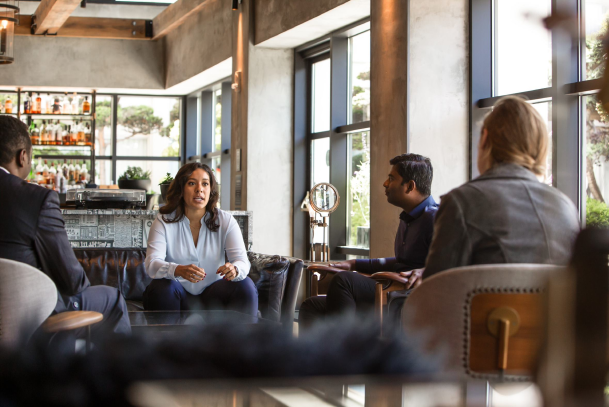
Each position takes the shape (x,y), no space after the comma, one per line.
(418,210)
(2,168)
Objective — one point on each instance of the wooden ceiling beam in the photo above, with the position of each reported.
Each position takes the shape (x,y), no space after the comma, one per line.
(52,14)
(90,27)
(174,16)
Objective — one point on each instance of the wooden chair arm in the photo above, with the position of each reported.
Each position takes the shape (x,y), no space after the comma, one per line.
(67,321)
(316,268)
(387,275)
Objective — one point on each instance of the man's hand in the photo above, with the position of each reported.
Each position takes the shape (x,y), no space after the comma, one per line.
(415,277)
(348,265)
(191,273)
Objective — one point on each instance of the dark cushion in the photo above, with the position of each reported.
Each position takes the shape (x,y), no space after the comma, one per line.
(269,274)
(120,268)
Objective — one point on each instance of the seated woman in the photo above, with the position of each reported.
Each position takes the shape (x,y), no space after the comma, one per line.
(506,215)
(186,251)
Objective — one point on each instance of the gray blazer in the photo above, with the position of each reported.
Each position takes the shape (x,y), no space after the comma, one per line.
(504,216)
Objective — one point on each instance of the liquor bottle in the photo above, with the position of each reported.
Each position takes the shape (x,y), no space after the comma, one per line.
(50,133)
(52,175)
(84,173)
(73,134)
(88,135)
(76,175)
(65,136)
(80,138)
(27,104)
(8,105)
(45,171)
(56,106)
(44,136)
(71,180)
(66,107)
(60,181)
(53,134)
(39,169)
(86,106)
(75,109)
(35,135)
(48,104)
(38,108)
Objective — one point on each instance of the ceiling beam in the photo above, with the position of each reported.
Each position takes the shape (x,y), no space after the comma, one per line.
(52,14)
(174,16)
(90,27)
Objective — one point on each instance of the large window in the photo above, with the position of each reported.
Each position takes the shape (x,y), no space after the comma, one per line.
(336,127)
(147,134)
(557,71)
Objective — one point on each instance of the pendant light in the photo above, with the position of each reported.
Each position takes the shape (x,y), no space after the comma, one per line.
(8,19)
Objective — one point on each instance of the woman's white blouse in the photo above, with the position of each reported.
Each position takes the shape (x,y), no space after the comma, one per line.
(171,244)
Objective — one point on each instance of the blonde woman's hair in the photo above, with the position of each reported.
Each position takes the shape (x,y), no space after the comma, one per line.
(516,134)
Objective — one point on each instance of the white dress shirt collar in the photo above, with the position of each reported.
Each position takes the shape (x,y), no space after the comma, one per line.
(2,168)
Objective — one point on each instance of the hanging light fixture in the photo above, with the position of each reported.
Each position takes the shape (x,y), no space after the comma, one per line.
(8,19)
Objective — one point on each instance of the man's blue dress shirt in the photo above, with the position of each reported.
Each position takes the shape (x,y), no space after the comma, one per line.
(412,241)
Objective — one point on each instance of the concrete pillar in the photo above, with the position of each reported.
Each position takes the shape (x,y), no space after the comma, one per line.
(388,106)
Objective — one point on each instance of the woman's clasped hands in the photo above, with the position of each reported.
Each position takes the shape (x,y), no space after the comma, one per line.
(191,273)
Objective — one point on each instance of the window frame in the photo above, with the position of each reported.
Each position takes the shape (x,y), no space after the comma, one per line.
(565,93)
(334,46)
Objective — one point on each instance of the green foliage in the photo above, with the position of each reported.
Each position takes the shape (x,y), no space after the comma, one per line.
(597,213)
(103,114)
(174,116)
(139,120)
(135,173)
(167,180)
(364,76)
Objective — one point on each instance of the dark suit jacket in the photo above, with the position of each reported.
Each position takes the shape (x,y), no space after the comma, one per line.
(32,231)
(504,216)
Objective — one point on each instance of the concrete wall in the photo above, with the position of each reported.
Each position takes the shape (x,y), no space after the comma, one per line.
(438,97)
(269,146)
(273,17)
(203,41)
(88,63)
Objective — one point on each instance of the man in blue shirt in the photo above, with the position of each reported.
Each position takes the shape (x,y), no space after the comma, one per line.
(408,186)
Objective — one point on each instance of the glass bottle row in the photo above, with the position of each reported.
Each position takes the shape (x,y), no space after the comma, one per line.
(59,177)
(60,134)
(50,104)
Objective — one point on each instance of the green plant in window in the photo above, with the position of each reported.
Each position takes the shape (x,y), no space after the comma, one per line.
(139,120)
(360,185)
(135,173)
(167,180)
(597,213)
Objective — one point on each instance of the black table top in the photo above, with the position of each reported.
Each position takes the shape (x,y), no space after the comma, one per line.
(177,319)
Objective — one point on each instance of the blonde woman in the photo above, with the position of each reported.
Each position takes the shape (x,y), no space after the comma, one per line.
(506,215)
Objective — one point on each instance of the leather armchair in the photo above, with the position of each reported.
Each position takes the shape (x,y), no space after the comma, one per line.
(277,278)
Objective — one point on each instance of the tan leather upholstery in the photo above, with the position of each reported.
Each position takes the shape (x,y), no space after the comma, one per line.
(437,313)
(27,298)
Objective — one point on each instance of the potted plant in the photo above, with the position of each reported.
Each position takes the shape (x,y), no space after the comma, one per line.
(165,185)
(135,178)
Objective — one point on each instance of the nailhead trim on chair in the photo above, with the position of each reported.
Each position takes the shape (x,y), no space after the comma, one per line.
(466,344)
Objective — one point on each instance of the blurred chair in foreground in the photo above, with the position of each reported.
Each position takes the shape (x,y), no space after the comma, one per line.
(27,298)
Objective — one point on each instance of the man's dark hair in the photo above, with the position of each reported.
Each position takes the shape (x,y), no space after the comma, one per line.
(14,137)
(417,168)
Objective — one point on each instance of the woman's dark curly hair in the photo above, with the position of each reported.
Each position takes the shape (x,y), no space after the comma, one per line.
(175,196)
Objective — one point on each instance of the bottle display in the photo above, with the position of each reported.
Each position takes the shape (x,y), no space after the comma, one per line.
(8,105)
(86,106)
(38,105)
(27,104)
(59,176)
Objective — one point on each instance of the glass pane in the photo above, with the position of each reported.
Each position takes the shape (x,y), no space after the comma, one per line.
(103,125)
(103,172)
(545,110)
(595,22)
(148,126)
(359,85)
(60,175)
(358,190)
(523,47)
(320,72)
(158,170)
(215,165)
(218,120)
(320,161)
(596,165)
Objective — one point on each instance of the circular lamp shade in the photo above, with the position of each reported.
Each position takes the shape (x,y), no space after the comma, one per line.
(8,13)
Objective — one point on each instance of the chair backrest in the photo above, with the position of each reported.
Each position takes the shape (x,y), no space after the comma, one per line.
(27,298)
(450,313)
